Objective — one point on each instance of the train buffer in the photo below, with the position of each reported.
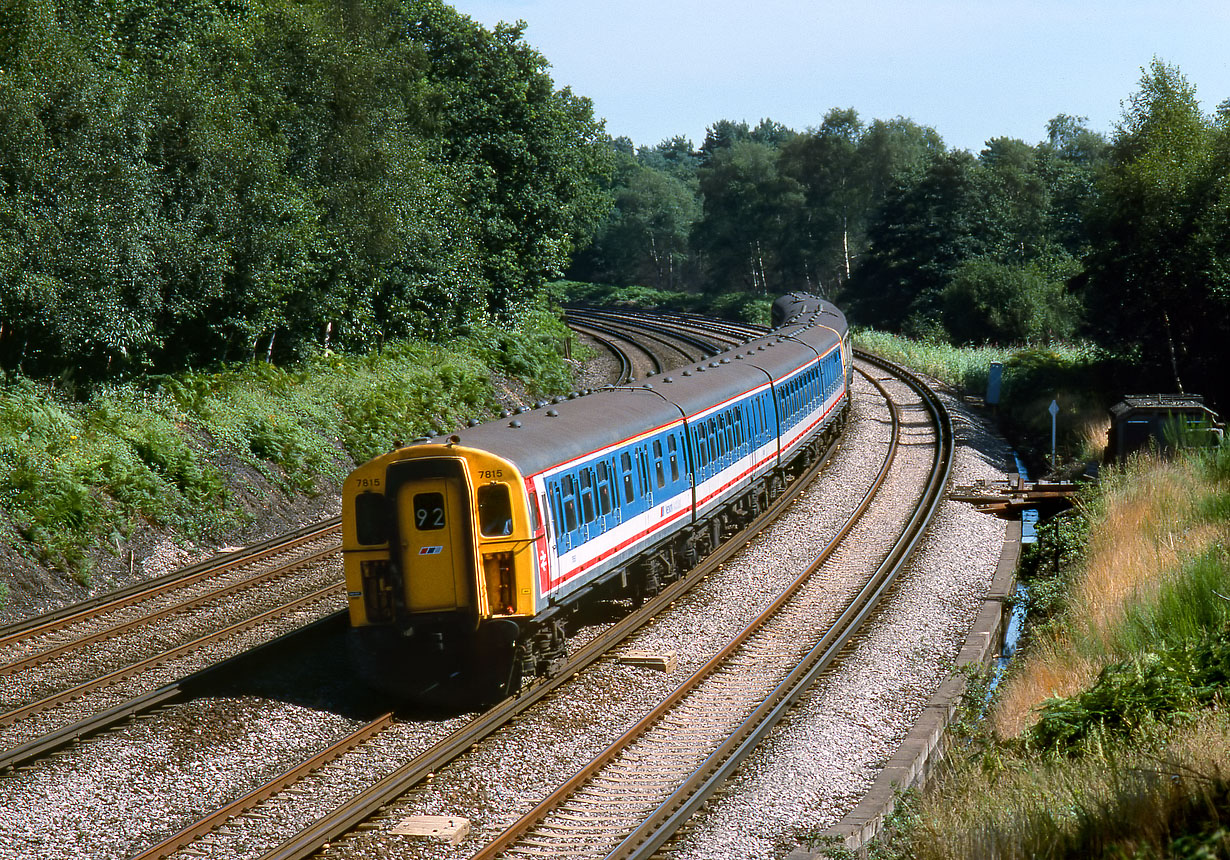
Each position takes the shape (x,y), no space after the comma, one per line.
(1007,498)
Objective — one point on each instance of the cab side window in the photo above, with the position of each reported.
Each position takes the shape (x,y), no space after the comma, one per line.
(371,518)
(494,510)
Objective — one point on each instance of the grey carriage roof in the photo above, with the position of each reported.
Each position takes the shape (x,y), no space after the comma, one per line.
(538,439)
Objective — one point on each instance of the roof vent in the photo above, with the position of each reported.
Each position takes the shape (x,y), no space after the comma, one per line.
(553,413)
(514,424)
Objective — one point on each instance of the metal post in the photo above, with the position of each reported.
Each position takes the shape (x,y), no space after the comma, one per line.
(1054,410)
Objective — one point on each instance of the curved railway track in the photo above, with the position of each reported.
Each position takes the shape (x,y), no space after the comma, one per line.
(643,829)
(612,341)
(762,640)
(420,768)
(639,791)
(681,334)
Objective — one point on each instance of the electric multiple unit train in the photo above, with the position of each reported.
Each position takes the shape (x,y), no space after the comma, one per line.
(465,555)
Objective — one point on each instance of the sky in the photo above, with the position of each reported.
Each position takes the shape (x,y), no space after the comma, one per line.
(971,69)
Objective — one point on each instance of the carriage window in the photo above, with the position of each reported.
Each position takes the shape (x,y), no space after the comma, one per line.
(494,510)
(625,462)
(673,448)
(657,463)
(587,495)
(702,445)
(604,488)
(739,427)
(371,518)
(730,431)
(429,511)
(713,438)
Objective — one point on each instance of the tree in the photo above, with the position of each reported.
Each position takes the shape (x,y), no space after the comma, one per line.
(1156,274)
(750,210)
(722,135)
(846,169)
(674,156)
(646,238)
(529,153)
(989,301)
(926,227)
(184,182)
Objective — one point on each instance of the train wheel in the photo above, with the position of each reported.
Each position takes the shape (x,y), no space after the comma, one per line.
(552,648)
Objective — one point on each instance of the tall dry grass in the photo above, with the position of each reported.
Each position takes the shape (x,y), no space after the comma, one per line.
(1125,802)
(1147,524)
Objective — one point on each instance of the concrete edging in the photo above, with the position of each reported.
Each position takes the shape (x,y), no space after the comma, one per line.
(924,746)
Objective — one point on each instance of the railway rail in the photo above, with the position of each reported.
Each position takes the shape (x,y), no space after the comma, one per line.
(420,768)
(669,330)
(381,794)
(611,341)
(25,634)
(639,791)
(101,663)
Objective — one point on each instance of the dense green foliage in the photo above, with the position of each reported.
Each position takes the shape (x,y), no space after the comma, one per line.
(1123,241)
(186,183)
(742,307)
(1158,275)
(76,476)
(1169,685)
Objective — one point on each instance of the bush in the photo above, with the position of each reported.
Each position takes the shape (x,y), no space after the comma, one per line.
(1167,686)
(76,475)
(988,301)
(740,307)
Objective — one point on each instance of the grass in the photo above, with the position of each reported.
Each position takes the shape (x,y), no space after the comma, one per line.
(1109,737)
(965,368)
(1076,376)
(1166,799)
(77,476)
(1156,532)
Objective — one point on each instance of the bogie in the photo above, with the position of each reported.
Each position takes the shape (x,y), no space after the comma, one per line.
(477,549)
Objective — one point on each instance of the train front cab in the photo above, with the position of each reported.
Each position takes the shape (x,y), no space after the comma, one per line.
(440,551)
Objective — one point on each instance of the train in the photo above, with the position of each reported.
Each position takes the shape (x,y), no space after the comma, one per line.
(466,555)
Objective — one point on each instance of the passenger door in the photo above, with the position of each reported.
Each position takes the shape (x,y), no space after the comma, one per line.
(433,544)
